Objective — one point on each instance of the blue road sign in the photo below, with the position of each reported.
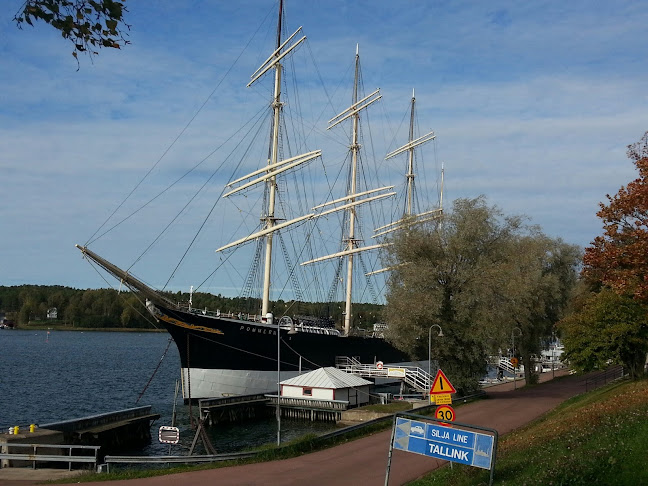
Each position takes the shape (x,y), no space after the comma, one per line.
(462,446)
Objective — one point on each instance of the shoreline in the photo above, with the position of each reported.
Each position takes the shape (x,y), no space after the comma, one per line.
(83,329)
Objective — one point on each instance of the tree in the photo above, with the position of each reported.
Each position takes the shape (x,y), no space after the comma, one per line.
(607,328)
(549,270)
(617,261)
(478,275)
(618,258)
(88,24)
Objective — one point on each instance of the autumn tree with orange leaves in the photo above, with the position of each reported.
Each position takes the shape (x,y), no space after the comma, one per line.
(619,258)
(611,325)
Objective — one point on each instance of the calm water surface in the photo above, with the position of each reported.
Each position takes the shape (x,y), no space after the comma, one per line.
(49,376)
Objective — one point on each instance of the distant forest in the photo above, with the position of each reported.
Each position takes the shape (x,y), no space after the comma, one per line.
(108,308)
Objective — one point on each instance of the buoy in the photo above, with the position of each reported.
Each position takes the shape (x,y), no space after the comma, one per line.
(32,428)
(379,365)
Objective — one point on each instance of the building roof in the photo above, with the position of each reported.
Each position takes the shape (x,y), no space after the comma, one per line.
(329,377)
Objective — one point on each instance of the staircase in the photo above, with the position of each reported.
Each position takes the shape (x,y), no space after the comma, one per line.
(505,364)
(417,378)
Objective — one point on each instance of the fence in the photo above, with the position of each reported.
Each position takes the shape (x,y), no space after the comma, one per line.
(604,377)
(47,456)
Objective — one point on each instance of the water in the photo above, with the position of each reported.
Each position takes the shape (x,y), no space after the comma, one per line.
(50,376)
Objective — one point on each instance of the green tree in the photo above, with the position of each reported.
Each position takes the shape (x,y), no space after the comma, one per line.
(73,311)
(26,310)
(88,24)
(478,275)
(607,328)
(546,274)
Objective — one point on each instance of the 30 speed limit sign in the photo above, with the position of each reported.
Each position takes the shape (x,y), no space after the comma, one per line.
(445,413)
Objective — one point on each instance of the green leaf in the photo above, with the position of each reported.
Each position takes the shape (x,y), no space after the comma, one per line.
(112,25)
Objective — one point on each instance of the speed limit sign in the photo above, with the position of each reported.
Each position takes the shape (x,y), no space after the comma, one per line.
(445,413)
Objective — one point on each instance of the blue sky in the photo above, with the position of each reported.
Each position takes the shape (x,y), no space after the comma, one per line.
(533,105)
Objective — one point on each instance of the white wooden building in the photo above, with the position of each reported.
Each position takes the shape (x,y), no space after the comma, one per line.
(328,384)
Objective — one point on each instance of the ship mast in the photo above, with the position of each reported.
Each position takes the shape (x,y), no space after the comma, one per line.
(351,241)
(410,165)
(353,198)
(271,183)
(409,216)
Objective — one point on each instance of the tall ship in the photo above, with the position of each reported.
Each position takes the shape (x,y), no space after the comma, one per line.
(226,353)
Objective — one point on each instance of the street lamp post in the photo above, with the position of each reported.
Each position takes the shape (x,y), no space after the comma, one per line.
(430,351)
(515,367)
(269,320)
(553,353)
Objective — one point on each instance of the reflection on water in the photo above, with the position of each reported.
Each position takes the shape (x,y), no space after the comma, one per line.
(50,376)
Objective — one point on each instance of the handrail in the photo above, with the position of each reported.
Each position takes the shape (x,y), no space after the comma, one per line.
(177,459)
(34,457)
(310,403)
(610,374)
(414,376)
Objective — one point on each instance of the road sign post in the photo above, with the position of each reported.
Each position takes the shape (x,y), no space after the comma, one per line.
(441,390)
(445,413)
(463,443)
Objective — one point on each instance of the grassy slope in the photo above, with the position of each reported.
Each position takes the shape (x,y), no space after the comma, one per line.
(596,438)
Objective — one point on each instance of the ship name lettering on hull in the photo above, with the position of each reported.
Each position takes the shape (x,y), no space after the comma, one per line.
(259,331)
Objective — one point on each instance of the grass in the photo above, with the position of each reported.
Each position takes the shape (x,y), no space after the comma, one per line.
(597,438)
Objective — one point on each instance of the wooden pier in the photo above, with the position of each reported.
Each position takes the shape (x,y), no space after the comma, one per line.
(110,431)
(233,409)
(309,408)
(248,407)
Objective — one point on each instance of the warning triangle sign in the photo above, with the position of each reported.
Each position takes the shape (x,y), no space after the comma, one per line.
(441,385)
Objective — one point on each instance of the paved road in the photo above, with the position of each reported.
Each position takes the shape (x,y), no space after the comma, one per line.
(363,461)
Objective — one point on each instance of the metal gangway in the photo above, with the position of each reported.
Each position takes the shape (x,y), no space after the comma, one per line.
(504,364)
(417,378)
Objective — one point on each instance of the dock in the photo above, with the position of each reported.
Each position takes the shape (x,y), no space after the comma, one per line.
(233,409)
(105,433)
(248,407)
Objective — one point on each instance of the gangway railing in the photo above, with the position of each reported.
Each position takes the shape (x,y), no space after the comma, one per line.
(417,378)
(504,363)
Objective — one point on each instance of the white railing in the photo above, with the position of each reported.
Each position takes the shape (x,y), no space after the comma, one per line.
(309,402)
(416,377)
(505,364)
(46,453)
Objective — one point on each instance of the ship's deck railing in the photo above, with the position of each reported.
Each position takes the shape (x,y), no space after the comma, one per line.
(284,322)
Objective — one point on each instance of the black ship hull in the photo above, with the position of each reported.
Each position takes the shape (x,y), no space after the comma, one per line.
(223,356)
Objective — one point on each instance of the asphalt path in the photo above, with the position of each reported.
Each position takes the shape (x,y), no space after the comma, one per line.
(363,462)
